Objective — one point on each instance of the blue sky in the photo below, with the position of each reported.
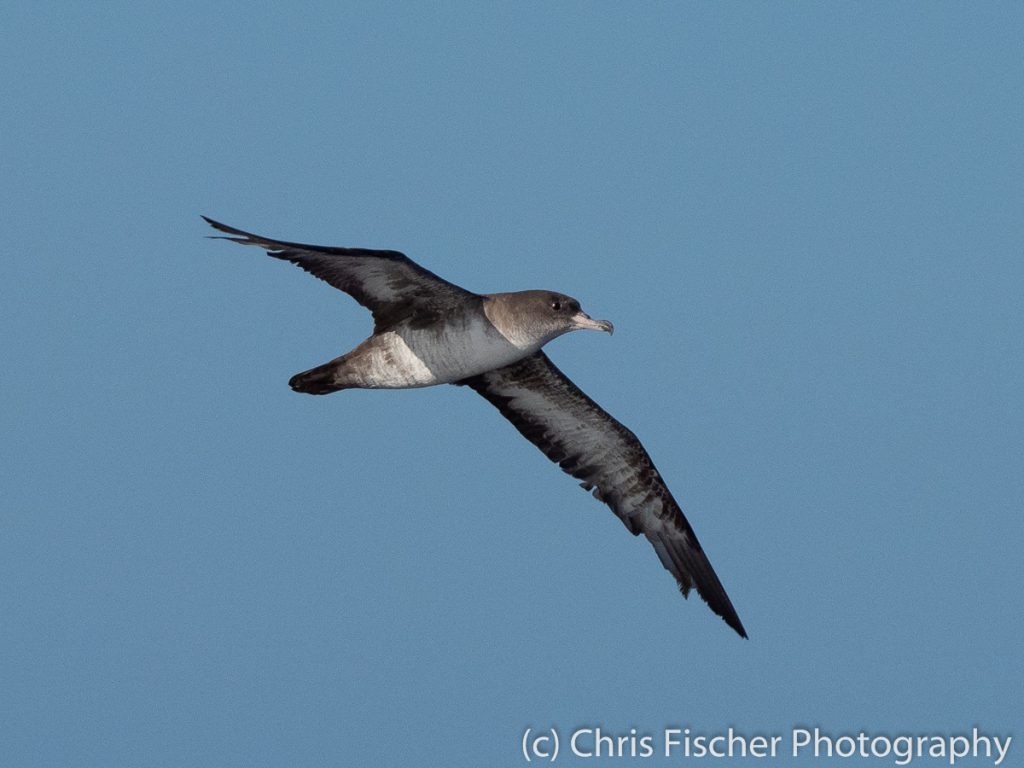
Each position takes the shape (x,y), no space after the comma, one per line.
(806,222)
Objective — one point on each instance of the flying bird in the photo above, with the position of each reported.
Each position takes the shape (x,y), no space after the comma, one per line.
(428,331)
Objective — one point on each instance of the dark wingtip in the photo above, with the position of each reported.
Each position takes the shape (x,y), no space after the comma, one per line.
(240,235)
(721,605)
(729,615)
(223,227)
(712,592)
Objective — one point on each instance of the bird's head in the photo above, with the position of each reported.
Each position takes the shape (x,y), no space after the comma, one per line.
(566,315)
(531,319)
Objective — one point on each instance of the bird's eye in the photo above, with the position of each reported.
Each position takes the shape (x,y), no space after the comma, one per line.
(556,305)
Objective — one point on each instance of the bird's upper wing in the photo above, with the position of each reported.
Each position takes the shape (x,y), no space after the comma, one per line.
(574,431)
(388,283)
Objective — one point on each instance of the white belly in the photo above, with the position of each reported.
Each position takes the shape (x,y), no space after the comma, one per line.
(412,358)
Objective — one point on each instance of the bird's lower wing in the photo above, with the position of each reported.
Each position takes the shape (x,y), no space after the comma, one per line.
(388,283)
(576,433)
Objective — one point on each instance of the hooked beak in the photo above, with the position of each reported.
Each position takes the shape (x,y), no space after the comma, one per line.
(581,320)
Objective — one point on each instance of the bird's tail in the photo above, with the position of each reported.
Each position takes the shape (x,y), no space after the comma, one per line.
(321,380)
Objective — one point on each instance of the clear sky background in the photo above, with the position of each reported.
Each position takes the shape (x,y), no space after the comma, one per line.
(807,224)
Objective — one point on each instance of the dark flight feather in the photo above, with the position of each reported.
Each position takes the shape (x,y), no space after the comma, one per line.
(388,283)
(587,443)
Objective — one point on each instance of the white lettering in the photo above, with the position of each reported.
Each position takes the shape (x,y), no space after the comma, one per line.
(671,740)
(801,737)
(1003,748)
(572,742)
